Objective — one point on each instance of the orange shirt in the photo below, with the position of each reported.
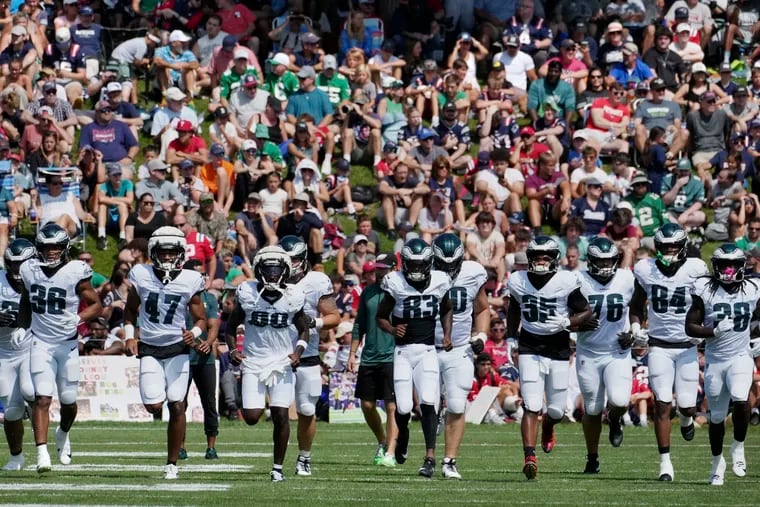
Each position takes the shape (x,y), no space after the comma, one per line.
(209,176)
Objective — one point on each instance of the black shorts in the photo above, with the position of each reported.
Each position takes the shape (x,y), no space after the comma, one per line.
(375,382)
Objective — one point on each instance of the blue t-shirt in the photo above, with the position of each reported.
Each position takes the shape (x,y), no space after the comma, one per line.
(593,218)
(113,140)
(6,194)
(88,38)
(315,103)
(125,187)
(641,72)
(165,53)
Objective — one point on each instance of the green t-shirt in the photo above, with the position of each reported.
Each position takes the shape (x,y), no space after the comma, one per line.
(337,89)
(650,212)
(211,306)
(692,192)
(443,99)
(378,345)
(230,80)
(745,244)
(281,87)
(97,280)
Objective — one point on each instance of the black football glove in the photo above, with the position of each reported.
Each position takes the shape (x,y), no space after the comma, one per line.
(625,340)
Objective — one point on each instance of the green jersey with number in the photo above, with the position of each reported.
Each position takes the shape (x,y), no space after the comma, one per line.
(230,80)
(281,87)
(337,89)
(650,212)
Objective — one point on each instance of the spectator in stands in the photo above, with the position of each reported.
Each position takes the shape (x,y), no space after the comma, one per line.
(690,93)
(364,228)
(247,102)
(254,228)
(424,90)
(435,217)
(59,110)
(304,222)
(239,20)
(219,177)
(338,186)
(8,218)
(741,111)
(486,246)
(548,193)
(358,255)
(663,61)
(590,169)
(100,342)
(17,83)
(725,194)
(571,234)
(334,84)
(92,172)
(189,185)
(208,221)
(309,100)
(708,128)
(62,208)
(232,78)
(591,208)
(111,137)
(519,66)
(115,198)
(574,71)
(386,64)
(133,55)
(199,246)
(611,50)
(310,53)
(742,214)
(623,233)
(165,120)
(421,157)
(632,69)
(176,65)
(442,182)
(355,35)
(280,82)
(48,153)
(751,237)
(225,133)
(402,197)
(526,151)
(146,219)
(10,117)
(20,48)
(697,15)
(213,38)
(608,121)
(123,110)
(274,199)
(87,35)
(187,146)
(659,112)
(684,195)
(649,210)
(551,86)
(167,198)
(690,52)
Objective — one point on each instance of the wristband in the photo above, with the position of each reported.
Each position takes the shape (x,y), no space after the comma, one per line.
(318,323)
(302,343)
(129,331)
(196,331)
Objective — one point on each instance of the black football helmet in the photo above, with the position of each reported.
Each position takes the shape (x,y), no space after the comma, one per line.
(52,243)
(728,263)
(543,255)
(19,251)
(166,249)
(272,268)
(603,258)
(670,244)
(416,261)
(296,248)
(448,254)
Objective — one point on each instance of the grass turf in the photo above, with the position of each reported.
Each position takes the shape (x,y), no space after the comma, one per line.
(490,462)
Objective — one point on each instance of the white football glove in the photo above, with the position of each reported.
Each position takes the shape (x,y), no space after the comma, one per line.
(560,323)
(723,327)
(755,347)
(18,338)
(695,341)
(640,335)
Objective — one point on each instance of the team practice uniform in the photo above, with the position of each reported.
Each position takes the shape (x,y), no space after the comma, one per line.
(544,350)
(415,363)
(672,356)
(164,357)
(603,367)
(456,365)
(266,369)
(54,303)
(15,344)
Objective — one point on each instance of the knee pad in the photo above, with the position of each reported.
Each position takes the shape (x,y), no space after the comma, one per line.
(456,405)
(14,413)
(555,413)
(593,406)
(718,416)
(307,409)
(67,393)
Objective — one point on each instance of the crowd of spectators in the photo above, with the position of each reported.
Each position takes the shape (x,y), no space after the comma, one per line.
(493,120)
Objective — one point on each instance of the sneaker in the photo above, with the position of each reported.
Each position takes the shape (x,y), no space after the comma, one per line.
(718,471)
(616,433)
(102,243)
(548,440)
(182,453)
(449,470)
(388,461)
(276,476)
(754,418)
(211,453)
(392,234)
(738,464)
(171,472)
(303,466)
(666,472)
(15,463)
(687,432)
(43,462)
(379,454)
(121,244)
(402,444)
(427,469)
(592,466)
(63,446)
(530,468)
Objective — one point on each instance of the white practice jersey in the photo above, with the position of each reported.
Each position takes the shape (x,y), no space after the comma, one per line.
(668,297)
(268,325)
(610,303)
(313,286)
(54,300)
(9,303)
(419,310)
(463,292)
(720,305)
(536,305)
(164,308)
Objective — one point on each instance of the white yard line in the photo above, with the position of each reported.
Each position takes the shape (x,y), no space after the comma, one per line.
(160,486)
(158,454)
(146,468)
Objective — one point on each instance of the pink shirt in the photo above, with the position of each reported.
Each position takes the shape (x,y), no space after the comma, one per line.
(573,66)
(222,60)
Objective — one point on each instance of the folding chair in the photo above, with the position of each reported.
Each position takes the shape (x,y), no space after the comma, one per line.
(7,182)
(71,185)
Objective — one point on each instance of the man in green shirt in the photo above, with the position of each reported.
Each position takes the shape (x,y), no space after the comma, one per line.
(232,77)
(279,81)
(648,208)
(684,195)
(752,237)
(375,378)
(335,85)
(268,152)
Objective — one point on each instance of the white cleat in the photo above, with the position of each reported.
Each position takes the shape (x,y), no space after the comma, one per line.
(303,466)
(667,474)
(63,446)
(15,463)
(43,462)
(449,470)
(718,471)
(738,464)
(171,472)
(276,476)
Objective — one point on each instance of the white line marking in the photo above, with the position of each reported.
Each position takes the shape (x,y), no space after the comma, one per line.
(158,454)
(180,487)
(146,468)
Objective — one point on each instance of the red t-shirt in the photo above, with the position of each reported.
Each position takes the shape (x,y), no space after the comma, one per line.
(199,247)
(630,231)
(492,379)
(615,114)
(236,20)
(194,145)
(499,353)
(529,159)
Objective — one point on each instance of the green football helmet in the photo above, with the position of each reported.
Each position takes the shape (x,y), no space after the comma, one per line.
(670,244)
(19,251)
(448,254)
(298,251)
(728,264)
(603,258)
(543,255)
(416,260)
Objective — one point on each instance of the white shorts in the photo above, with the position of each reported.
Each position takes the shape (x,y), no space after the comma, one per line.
(457,371)
(15,382)
(308,389)
(599,375)
(255,391)
(538,373)
(727,381)
(55,365)
(674,367)
(164,379)
(415,366)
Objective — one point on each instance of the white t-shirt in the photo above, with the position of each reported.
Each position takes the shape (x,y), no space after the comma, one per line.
(516,67)
(271,203)
(130,50)
(580,174)
(206,47)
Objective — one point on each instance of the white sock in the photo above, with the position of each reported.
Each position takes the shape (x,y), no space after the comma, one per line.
(738,445)
(375,160)
(643,419)
(122,235)
(326,169)
(685,420)
(665,458)
(42,449)
(351,208)
(716,460)
(347,157)
(101,232)
(304,454)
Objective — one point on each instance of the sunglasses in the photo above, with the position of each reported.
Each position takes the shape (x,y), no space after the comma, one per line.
(105,110)
(593,185)
(618,94)
(51,92)
(148,203)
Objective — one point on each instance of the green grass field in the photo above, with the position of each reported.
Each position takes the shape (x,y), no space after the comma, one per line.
(122,463)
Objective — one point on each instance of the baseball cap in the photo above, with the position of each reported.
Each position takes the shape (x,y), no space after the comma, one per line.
(250,81)
(45,111)
(642,86)
(262,131)
(240,53)
(248,144)
(708,96)
(310,38)
(49,86)
(754,123)
(206,196)
(630,48)
(580,134)
(185,164)
(683,165)
(62,35)
(157,165)
(344,328)
(360,237)
(614,27)
(484,159)
(385,261)
(683,27)
(329,62)
(184,126)
(513,40)
(113,87)
(737,135)
(658,84)
(86,11)
(103,104)
(429,65)
(301,196)
(179,36)
(113,168)
(497,66)
(229,42)
(388,46)
(174,93)
(307,71)
(624,205)
(527,131)
(517,217)
(217,150)
(640,178)
(450,106)
(221,112)
(567,44)
(580,26)
(368,267)
(20,30)
(698,67)
(280,59)
(302,127)
(725,67)
(390,147)
(351,279)
(342,165)
(254,196)
(741,90)
(592,180)
(70,2)
(465,36)
(425,133)
(681,13)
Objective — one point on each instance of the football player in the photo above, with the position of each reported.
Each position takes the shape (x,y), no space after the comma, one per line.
(323,315)
(546,304)
(164,294)
(721,309)
(412,301)
(16,385)
(603,356)
(53,288)
(469,303)
(268,307)
(664,284)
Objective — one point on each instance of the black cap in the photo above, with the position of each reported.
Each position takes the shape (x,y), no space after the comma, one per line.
(657,84)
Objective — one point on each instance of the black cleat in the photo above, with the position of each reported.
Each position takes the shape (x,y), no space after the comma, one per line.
(402,444)
(616,432)
(427,469)
(592,467)
(687,432)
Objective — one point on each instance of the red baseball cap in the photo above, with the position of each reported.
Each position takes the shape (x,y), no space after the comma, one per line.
(527,131)
(185,126)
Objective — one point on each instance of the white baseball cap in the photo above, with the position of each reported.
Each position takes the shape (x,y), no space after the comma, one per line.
(113,87)
(179,36)
(281,59)
(240,53)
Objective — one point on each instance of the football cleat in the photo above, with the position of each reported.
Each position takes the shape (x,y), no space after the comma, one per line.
(171,472)
(530,468)
(379,454)
(43,462)
(15,463)
(402,443)
(449,470)
(592,466)
(717,475)
(276,476)
(548,440)
(667,474)
(211,453)
(63,446)
(738,463)
(687,432)
(427,469)
(616,432)
(303,466)
(388,461)
(182,453)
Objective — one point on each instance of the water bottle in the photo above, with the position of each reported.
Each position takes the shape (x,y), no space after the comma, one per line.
(32,214)
(631,128)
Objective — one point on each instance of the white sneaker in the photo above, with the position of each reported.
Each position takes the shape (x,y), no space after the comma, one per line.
(718,471)
(15,463)
(276,476)
(63,446)
(303,466)
(171,472)
(738,464)
(667,474)
(43,462)
(449,470)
